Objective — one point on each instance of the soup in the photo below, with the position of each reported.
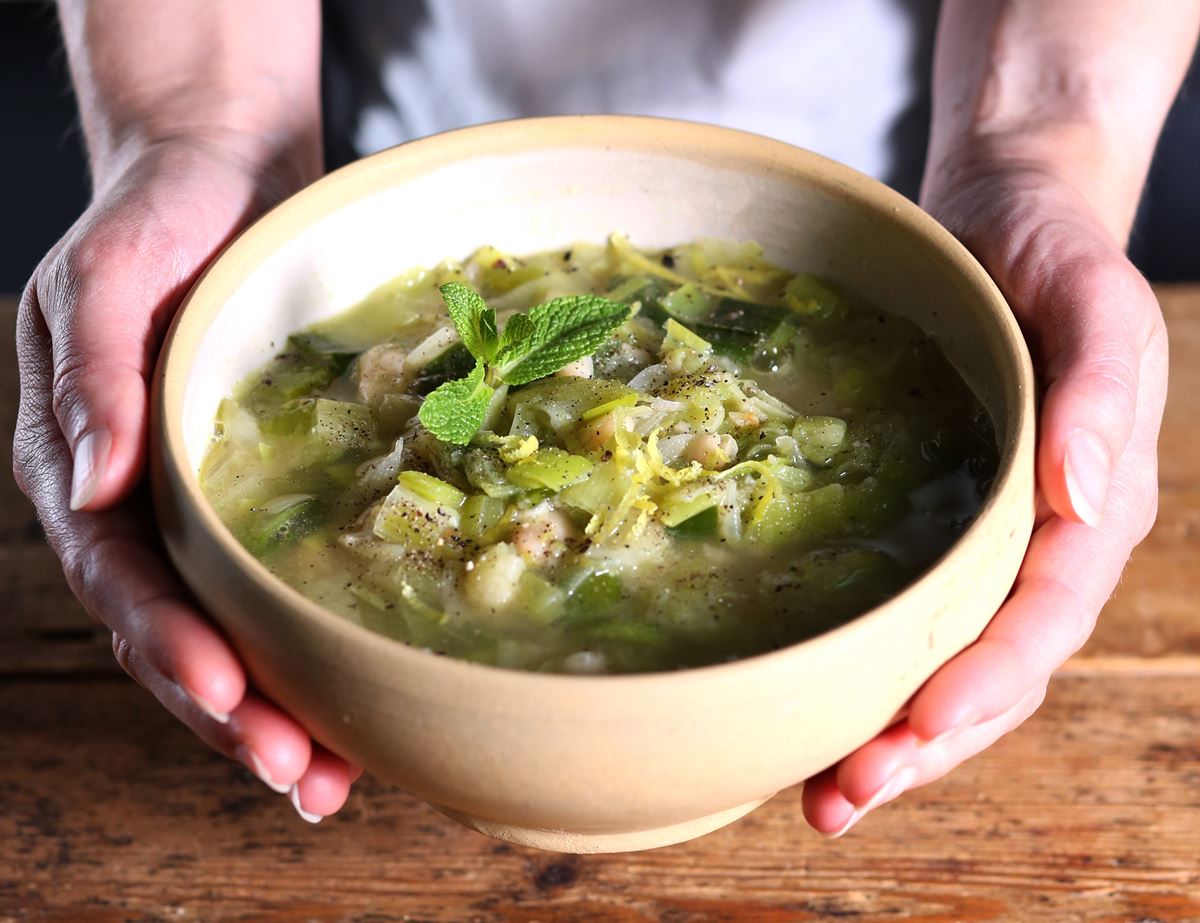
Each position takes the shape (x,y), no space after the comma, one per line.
(602,459)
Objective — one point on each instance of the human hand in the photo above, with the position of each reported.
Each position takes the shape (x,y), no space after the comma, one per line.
(90,325)
(1100,349)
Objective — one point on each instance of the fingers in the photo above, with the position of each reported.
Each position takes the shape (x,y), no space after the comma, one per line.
(89,327)
(268,742)
(895,762)
(1068,574)
(271,744)
(324,787)
(126,584)
(108,291)
(101,295)
(112,560)
(1088,314)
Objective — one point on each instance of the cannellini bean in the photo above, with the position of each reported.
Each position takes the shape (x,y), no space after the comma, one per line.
(711,450)
(580,368)
(702,448)
(595,433)
(492,582)
(540,537)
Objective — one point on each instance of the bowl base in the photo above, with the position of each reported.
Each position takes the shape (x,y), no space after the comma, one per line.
(567,841)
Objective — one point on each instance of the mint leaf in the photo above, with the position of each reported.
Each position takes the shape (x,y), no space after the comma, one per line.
(473,319)
(514,341)
(556,333)
(532,346)
(455,411)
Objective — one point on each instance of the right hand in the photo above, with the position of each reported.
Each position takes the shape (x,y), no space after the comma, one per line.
(89,329)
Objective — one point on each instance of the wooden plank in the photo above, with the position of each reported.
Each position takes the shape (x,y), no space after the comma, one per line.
(1154,611)
(1179,447)
(110,811)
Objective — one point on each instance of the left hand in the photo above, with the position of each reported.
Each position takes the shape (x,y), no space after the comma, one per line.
(1100,350)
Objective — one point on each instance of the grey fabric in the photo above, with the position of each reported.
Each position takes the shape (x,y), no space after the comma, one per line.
(846,78)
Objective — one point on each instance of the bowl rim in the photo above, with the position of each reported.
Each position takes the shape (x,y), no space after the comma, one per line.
(696,141)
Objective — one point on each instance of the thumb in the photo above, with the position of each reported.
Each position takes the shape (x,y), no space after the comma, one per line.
(1087,313)
(106,294)
(1095,324)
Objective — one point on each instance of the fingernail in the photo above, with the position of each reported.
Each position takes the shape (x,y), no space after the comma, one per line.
(294,794)
(892,788)
(90,457)
(1087,469)
(221,717)
(259,768)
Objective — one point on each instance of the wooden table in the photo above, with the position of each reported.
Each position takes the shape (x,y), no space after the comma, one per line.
(111,811)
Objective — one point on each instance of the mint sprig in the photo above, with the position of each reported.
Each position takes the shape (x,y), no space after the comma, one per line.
(560,331)
(531,346)
(456,409)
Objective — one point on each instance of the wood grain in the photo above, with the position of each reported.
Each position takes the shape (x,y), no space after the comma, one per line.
(1089,812)
(110,811)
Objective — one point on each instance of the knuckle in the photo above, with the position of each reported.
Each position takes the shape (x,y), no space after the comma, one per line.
(127,659)
(1033,701)
(60,283)
(69,384)
(1107,277)
(1071,618)
(1112,379)
(1149,516)
(76,569)
(38,457)
(26,462)
(98,246)
(1134,506)
(87,565)
(1047,256)
(122,653)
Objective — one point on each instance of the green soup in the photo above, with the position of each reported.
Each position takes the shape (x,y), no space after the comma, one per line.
(751,458)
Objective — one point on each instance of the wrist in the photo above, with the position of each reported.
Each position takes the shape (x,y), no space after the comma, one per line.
(240,79)
(284,148)
(1081,159)
(1067,159)
(1072,91)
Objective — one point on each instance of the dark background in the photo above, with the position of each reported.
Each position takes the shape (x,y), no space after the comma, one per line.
(45,185)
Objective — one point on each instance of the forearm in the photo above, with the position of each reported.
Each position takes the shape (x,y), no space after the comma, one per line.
(244,76)
(1074,87)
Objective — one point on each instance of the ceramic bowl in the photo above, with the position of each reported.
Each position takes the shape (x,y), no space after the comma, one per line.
(577,763)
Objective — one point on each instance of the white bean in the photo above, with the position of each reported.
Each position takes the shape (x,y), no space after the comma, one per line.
(540,537)
(492,582)
(595,433)
(710,450)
